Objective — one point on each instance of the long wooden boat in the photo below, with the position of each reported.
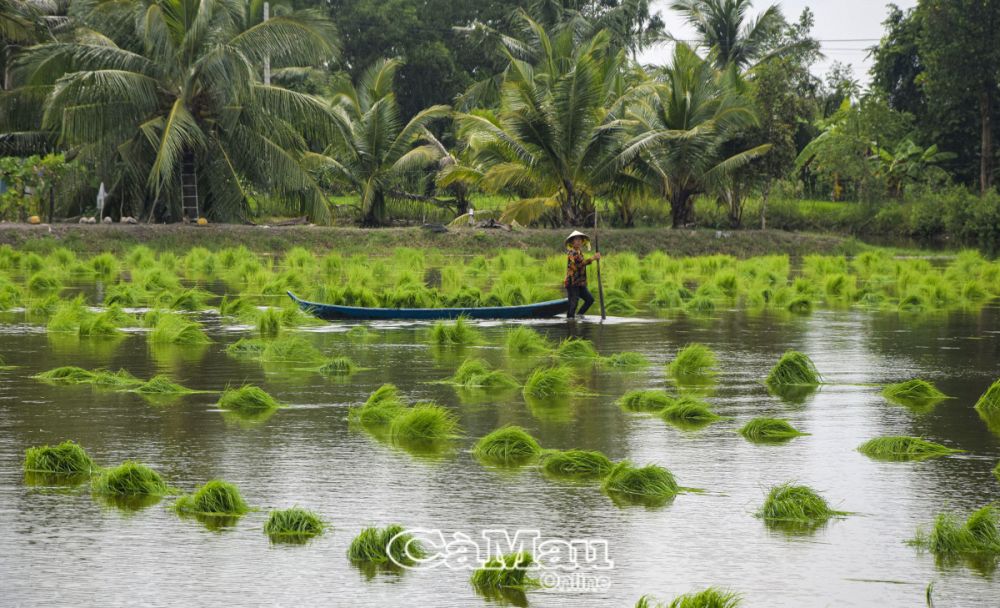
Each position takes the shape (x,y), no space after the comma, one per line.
(332,312)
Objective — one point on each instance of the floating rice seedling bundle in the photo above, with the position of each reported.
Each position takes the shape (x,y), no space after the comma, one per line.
(98,326)
(989,402)
(66,316)
(507,446)
(187,299)
(162,385)
(913,393)
(44,282)
(524,341)
(700,305)
(509,571)
(458,333)
(706,598)
(248,399)
(105,266)
(291,349)
(626,360)
(651,484)
(948,537)
(577,349)
(763,430)
(423,423)
(669,295)
(214,498)
(339,366)
(124,294)
(170,328)
(78,375)
(794,368)
(293,525)
(694,361)
(903,448)
(645,401)
(801,304)
(235,306)
(269,323)
(476,373)
(246,348)
(686,410)
(66,458)
(358,333)
(381,407)
(796,505)
(616,302)
(389,546)
(130,478)
(549,382)
(577,464)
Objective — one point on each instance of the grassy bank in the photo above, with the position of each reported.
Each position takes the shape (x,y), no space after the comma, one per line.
(119,238)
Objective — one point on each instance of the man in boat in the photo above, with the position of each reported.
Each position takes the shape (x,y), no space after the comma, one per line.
(576,273)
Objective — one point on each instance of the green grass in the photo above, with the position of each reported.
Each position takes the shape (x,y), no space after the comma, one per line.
(577,349)
(99,377)
(214,498)
(913,393)
(66,458)
(693,361)
(794,369)
(903,448)
(645,401)
(686,410)
(576,464)
(423,423)
(549,382)
(269,323)
(339,366)
(382,406)
(293,525)
(979,535)
(476,373)
(509,571)
(764,430)
(171,328)
(626,360)
(796,505)
(507,446)
(130,478)
(457,333)
(651,484)
(248,399)
(387,546)
(291,349)
(989,402)
(162,385)
(706,598)
(522,341)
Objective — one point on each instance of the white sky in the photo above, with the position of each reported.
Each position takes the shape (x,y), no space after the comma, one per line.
(835,20)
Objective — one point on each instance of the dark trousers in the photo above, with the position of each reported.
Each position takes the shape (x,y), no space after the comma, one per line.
(575,293)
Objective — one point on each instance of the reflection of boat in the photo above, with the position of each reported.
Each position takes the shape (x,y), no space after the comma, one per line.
(332,312)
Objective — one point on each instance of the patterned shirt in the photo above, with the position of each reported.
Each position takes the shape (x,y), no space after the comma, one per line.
(576,269)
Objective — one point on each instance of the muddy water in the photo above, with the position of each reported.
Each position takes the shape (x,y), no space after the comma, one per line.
(60,546)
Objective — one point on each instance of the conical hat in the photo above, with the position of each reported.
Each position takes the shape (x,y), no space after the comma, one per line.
(575,234)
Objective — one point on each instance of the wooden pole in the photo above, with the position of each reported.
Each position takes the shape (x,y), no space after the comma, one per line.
(600,284)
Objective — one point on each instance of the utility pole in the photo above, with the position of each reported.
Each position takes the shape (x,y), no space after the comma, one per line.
(267,60)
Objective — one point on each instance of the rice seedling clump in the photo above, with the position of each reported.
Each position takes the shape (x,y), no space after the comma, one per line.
(162,385)
(475,373)
(645,401)
(214,498)
(66,458)
(576,349)
(903,448)
(523,341)
(291,349)
(130,478)
(269,323)
(246,347)
(508,446)
(651,483)
(688,410)
(626,360)
(549,382)
(382,406)
(248,399)
(791,504)
(97,326)
(978,535)
(339,366)
(706,598)
(100,377)
(509,571)
(386,546)
(763,430)
(794,368)
(989,403)
(693,361)
(577,464)
(170,328)
(424,422)
(914,393)
(293,524)
(458,333)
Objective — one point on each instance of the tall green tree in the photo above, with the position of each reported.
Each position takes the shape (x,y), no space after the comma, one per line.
(896,62)
(725,28)
(154,83)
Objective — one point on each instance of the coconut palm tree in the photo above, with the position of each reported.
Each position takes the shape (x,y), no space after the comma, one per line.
(147,86)
(372,151)
(724,27)
(681,128)
(561,100)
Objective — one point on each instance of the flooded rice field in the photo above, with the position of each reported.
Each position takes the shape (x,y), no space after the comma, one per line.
(61,545)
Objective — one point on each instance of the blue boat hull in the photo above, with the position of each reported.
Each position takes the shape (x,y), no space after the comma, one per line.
(331,312)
